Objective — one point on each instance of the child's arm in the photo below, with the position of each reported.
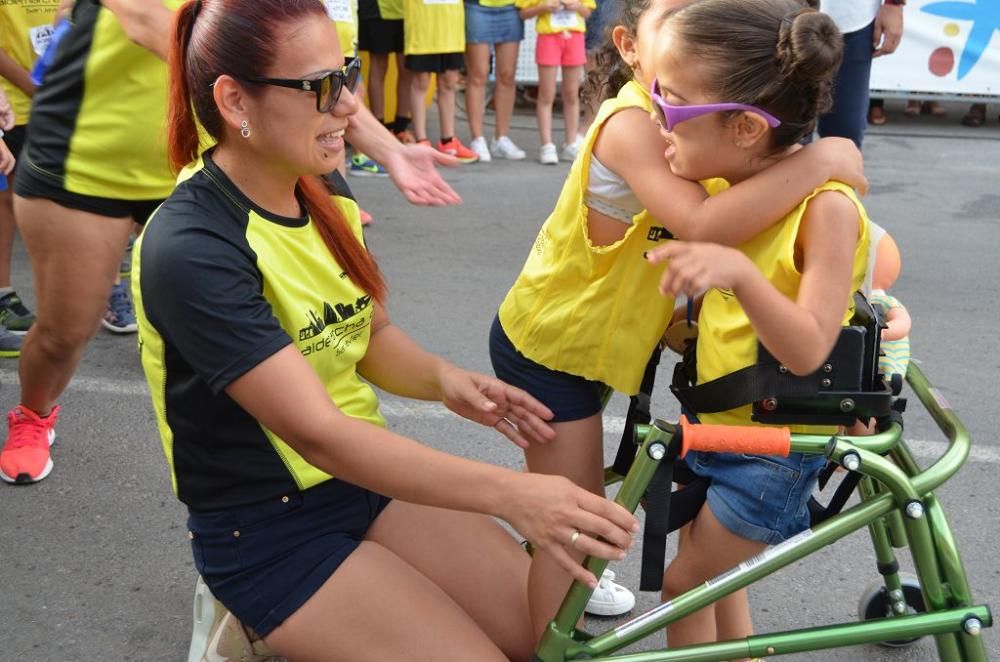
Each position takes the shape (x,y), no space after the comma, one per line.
(800,333)
(18,76)
(630,145)
(542,7)
(898,323)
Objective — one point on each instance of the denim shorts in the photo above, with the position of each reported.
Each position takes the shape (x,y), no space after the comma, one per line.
(759,497)
(492,25)
(265,560)
(570,397)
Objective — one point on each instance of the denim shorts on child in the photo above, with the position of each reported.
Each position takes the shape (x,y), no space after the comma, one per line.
(265,560)
(560,49)
(570,397)
(759,497)
(492,25)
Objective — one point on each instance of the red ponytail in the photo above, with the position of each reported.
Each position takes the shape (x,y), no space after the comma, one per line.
(182,132)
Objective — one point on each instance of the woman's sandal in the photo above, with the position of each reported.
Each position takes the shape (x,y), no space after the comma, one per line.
(876,116)
(976,115)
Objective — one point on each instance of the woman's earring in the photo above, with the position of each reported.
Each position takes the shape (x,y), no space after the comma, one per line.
(245,129)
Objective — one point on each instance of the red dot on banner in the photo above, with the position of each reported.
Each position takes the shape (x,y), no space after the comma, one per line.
(942,61)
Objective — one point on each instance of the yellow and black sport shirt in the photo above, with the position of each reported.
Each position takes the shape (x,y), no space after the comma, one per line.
(98,123)
(220,285)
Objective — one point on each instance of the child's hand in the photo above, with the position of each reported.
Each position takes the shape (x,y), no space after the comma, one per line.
(843,160)
(695,267)
(552,5)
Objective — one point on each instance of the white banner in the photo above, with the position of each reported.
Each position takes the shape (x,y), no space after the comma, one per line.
(949,47)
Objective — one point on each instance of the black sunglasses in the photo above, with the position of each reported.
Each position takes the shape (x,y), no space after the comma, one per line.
(327,87)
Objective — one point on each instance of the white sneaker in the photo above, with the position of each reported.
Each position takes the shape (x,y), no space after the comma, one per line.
(217,636)
(504,147)
(478,145)
(547,154)
(570,151)
(609,598)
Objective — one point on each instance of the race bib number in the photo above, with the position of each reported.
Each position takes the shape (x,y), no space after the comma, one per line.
(563,19)
(339,11)
(40,37)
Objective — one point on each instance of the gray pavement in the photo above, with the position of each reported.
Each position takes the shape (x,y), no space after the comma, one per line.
(95,563)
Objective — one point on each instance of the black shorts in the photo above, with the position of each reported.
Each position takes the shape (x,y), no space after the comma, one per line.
(31,185)
(436,63)
(15,142)
(380,36)
(264,561)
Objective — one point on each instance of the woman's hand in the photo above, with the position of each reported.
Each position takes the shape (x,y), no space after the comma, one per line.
(7,117)
(413,169)
(695,267)
(564,519)
(490,402)
(843,160)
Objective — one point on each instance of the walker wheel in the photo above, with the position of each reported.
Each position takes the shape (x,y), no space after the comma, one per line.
(875,604)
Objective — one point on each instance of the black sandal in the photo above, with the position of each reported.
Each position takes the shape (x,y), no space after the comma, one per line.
(976,115)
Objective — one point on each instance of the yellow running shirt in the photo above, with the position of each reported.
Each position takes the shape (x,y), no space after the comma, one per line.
(433,27)
(560,21)
(25,29)
(592,311)
(220,285)
(727,341)
(390,10)
(344,14)
(99,121)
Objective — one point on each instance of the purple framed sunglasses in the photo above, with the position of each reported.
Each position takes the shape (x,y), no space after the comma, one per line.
(670,116)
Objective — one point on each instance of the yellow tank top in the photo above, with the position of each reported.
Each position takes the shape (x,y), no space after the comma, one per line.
(727,341)
(433,27)
(25,29)
(390,10)
(591,311)
(560,21)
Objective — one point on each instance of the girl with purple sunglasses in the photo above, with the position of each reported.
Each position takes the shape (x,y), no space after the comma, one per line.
(584,315)
(739,84)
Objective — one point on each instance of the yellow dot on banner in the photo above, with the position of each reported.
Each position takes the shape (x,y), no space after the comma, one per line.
(951,29)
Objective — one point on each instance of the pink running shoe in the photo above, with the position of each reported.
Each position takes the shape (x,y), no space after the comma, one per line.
(25,457)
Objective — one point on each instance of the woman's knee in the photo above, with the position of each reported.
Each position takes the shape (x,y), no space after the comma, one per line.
(62,342)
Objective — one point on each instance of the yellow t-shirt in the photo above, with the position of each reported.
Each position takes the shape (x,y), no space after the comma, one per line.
(727,341)
(591,311)
(390,10)
(433,27)
(344,14)
(98,124)
(560,21)
(25,29)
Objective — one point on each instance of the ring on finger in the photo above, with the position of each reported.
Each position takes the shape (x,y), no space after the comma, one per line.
(572,538)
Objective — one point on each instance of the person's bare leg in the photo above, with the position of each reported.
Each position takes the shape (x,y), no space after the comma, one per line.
(378,607)
(477,70)
(504,91)
(7,228)
(546,98)
(75,258)
(571,101)
(708,549)
(419,84)
(447,83)
(376,84)
(470,557)
(404,80)
(577,452)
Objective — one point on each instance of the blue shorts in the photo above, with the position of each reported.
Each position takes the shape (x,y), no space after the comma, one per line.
(570,397)
(265,560)
(492,25)
(597,23)
(759,497)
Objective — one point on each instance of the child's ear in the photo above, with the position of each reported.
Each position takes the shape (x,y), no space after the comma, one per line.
(749,129)
(625,42)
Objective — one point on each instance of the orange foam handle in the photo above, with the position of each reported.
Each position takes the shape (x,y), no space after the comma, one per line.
(750,439)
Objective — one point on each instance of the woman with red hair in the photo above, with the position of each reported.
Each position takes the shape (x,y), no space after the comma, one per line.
(262,326)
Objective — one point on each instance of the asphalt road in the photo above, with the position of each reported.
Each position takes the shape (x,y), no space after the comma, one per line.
(95,563)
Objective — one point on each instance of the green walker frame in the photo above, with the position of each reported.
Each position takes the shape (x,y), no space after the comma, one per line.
(897,505)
